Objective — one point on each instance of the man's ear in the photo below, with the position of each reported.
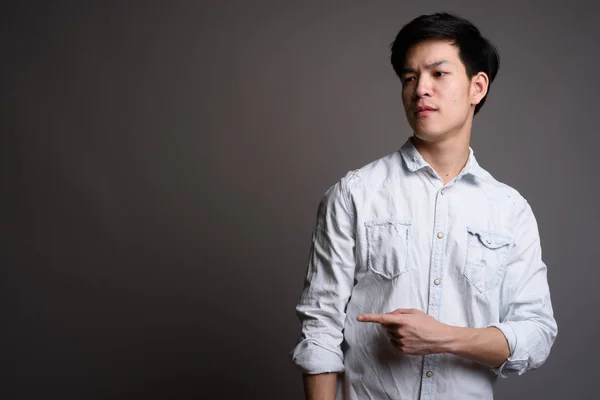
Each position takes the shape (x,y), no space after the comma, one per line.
(479,87)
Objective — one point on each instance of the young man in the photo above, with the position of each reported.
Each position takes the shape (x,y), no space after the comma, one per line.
(425,278)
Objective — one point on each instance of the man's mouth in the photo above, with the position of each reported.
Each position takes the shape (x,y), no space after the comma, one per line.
(424,110)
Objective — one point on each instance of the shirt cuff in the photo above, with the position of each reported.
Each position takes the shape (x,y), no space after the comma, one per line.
(314,357)
(518,359)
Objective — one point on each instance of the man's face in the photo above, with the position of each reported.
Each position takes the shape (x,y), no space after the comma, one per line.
(438,97)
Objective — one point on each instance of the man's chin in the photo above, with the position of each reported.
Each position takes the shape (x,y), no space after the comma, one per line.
(424,128)
(428,135)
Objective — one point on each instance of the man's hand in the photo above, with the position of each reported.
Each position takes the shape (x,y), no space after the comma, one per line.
(412,331)
(415,332)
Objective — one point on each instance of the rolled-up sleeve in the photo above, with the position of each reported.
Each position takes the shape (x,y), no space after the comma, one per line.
(526,313)
(328,285)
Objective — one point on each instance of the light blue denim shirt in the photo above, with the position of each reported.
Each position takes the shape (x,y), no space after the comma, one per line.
(391,235)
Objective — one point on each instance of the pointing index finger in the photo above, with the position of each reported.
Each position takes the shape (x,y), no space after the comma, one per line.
(378,318)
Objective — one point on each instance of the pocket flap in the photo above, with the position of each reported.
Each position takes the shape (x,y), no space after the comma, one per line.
(490,240)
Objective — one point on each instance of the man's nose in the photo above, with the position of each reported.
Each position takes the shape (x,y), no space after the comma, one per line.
(422,88)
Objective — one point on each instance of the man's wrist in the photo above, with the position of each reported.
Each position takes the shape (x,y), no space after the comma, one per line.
(454,339)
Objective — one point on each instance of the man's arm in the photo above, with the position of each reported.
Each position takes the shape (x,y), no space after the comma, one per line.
(327,289)
(526,313)
(320,386)
(484,345)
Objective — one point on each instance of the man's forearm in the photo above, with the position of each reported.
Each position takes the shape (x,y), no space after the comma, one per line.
(320,386)
(484,345)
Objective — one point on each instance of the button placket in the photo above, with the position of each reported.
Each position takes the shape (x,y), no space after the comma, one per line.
(436,273)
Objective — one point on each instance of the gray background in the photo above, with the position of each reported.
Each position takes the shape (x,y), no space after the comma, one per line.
(162,164)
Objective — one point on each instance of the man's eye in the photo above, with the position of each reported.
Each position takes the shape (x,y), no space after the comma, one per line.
(408,79)
(439,74)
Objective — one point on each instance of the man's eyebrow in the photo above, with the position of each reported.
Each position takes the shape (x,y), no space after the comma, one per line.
(407,70)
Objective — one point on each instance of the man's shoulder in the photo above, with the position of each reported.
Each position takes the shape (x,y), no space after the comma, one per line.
(502,192)
(375,173)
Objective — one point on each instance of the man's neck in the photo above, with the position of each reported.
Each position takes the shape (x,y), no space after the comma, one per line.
(447,158)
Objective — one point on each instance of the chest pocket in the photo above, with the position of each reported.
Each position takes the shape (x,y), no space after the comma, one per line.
(387,247)
(487,256)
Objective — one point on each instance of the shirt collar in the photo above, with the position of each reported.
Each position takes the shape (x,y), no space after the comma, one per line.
(415,161)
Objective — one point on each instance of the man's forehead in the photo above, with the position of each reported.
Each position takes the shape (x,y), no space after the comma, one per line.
(430,52)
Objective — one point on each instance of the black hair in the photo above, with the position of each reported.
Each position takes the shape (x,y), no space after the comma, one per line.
(475,51)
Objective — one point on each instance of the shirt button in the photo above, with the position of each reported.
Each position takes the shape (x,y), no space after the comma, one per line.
(436,282)
(442,191)
(440,235)
(429,374)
